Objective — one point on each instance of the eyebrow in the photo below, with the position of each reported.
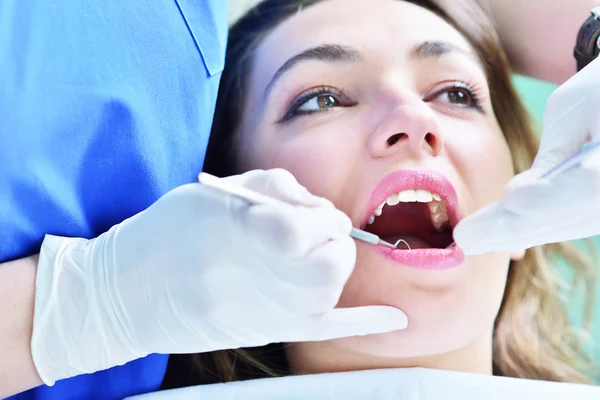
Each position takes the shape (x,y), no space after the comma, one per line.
(329,53)
(335,53)
(438,48)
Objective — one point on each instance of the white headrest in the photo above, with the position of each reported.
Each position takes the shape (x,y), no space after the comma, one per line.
(396,384)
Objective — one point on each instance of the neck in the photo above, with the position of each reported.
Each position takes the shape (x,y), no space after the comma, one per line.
(312,358)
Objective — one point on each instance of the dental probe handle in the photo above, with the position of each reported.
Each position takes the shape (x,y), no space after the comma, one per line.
(258,198)
(368,237)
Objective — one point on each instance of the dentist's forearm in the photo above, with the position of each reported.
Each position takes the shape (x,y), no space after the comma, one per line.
(17,292)
(539,35)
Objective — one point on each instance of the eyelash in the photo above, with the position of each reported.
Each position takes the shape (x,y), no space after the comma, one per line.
(470,89)
(310,94)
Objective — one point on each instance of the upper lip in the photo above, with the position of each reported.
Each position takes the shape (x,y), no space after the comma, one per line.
(406,179)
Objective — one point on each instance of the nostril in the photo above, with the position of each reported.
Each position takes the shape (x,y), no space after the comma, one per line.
(392,140)
(431,140)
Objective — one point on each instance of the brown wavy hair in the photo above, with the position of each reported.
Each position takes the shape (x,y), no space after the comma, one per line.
(533,337)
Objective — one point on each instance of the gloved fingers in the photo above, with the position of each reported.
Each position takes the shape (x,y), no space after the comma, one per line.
(280,184)
(594,132)
(525,240)
(574,190)
(347,322)
(571,113)
(529,177)
(471,233)
(592,163)
(496,229)
(315,283)
(565,133)
(206,198)
(326,266)
(292,232)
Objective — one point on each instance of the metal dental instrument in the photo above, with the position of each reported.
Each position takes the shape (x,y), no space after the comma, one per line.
(574,160)
(253,197)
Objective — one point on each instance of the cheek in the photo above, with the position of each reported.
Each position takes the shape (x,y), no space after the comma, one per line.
(317,158)
(485,165)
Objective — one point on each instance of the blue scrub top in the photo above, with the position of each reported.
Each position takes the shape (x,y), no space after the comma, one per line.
(104,107)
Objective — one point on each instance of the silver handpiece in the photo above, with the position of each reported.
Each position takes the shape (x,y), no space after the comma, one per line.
(253,197)
(572,161)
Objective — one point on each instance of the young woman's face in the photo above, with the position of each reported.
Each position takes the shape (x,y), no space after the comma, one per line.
(364,99)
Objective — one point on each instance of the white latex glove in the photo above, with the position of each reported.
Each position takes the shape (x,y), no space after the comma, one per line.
(537,211)
(194,273)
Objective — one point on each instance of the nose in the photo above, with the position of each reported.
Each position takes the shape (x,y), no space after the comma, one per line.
(412,128)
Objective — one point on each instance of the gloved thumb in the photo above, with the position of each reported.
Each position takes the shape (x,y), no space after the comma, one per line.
(527,178)
(279,184)
(357,321)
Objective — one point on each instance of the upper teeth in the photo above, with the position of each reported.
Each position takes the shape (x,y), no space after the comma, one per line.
(437,207)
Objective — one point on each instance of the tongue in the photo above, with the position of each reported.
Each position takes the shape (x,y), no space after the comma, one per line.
(413,242)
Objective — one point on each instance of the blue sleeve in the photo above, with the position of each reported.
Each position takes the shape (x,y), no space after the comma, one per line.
(104,107)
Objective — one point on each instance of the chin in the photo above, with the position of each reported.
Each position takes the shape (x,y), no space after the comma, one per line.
(450,349)
(447,310)
(418,340)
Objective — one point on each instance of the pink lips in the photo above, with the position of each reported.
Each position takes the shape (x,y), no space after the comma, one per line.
(398,181)
(430,259)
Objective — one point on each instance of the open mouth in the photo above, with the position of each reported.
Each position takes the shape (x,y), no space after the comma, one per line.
(418,217)
(417,207)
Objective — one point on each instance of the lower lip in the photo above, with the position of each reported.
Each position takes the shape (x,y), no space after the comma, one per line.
(428,259)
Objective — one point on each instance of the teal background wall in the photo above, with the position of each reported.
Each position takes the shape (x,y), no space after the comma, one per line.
(535,94)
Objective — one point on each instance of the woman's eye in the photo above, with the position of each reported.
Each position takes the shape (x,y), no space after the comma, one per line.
(459,97)
(320,103)
(316,101)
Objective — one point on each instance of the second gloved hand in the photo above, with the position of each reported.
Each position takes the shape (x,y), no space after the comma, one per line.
(537,211)
(194,273)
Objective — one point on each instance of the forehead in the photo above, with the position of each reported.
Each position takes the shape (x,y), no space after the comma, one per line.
(383,30)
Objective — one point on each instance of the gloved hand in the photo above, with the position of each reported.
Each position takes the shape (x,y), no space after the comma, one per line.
(194,273)
(537,211)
